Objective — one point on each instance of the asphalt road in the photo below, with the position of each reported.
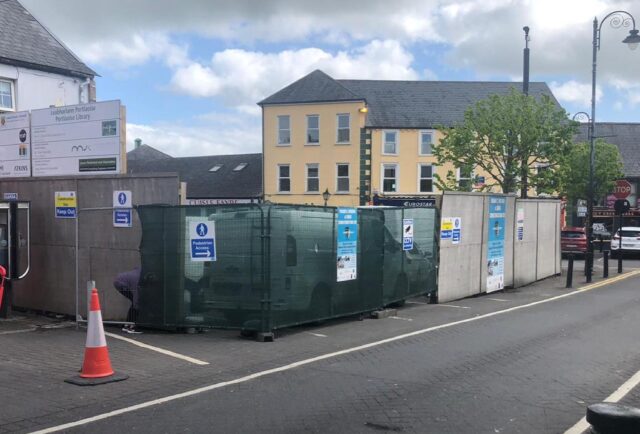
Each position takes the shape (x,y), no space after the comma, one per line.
(532,370)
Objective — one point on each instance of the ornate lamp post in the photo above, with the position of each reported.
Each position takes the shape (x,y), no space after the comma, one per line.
(617,19)
(326,195)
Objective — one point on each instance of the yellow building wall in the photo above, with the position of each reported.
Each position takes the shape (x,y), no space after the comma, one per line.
(298,153)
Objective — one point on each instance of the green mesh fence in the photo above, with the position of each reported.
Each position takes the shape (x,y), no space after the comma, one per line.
(276,265)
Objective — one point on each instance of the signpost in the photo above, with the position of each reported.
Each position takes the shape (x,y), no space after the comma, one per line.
(202,237)
(622,189)
(82,139)
(14,145)
(66,204)
(347,229)
(407,234)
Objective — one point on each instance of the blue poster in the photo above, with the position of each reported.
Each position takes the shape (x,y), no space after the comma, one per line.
(495,244)
(347,250)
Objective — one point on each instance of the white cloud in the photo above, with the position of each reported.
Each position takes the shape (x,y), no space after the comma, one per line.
(242,78)
(574,92)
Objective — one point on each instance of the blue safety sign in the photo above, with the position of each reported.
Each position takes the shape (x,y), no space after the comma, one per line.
(122,218)
(202,237)
(456,232)
(407,234)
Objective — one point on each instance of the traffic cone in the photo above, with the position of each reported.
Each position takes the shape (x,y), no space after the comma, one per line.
(96,368)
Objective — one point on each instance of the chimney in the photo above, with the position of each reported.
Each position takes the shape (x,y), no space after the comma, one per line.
(137,143)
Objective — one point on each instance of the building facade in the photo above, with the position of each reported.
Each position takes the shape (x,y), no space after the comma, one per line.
(357,139)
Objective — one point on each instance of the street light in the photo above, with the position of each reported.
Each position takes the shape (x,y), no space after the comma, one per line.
(618,19)
(326,195)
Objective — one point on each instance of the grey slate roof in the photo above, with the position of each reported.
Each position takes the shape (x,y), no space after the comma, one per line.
(146,152)
(26,42)
(201,183)
(400,104)
(314,87)
(626,136)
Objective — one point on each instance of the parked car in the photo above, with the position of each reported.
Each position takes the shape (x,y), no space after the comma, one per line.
(630,237)
(573,240)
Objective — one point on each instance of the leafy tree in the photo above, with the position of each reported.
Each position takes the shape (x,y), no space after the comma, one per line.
(508,136)
(574,183)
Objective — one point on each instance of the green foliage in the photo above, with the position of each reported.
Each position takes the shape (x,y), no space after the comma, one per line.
(575,170)
(508,136)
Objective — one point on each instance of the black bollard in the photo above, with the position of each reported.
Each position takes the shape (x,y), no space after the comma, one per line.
(605,258)
(570,271)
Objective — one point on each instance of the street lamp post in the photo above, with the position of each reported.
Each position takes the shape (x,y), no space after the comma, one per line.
(618,19)
(326,195)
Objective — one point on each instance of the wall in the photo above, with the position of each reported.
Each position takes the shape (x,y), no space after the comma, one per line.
(38,89)
(463,266)
(298,153)
(104,250)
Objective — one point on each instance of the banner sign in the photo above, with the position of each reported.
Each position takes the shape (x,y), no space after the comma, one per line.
(413,202)
(347,244)
(79,139)
(495,244)
(15,142)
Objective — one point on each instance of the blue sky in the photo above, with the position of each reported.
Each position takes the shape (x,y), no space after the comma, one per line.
(190,72)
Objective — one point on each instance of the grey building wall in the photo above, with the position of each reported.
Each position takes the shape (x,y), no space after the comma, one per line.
(104,251)
(463,266)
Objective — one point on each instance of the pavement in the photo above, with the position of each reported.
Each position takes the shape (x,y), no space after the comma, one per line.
(523,360)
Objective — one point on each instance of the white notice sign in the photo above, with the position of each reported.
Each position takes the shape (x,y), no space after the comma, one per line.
(79,139)
(15,145)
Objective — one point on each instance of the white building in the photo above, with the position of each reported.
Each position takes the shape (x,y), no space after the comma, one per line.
(36,69)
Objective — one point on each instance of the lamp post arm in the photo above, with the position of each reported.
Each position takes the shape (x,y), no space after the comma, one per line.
(618,19)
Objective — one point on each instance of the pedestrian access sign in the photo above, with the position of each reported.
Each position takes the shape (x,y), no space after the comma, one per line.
(122,212)
(202,237)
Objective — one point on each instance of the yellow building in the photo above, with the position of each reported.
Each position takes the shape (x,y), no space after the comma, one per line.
(360,138)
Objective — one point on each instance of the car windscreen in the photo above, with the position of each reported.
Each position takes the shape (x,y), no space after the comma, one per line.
(568,234)
(631,234)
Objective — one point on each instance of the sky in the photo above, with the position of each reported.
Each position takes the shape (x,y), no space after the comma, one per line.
(190,72)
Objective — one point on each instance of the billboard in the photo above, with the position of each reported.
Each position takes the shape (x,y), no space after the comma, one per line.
(14,145)
(82,139)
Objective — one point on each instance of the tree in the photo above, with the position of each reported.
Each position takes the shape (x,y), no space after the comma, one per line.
(509,137)
(574,183)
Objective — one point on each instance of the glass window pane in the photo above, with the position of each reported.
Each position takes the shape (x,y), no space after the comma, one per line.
(343,170)
(285,184)
(313,184)
(313,136)
(343,121)
(312,121)
(426,171)
(343,135)
(6,101)
(425,143)
(283,122)
(5,87)
(312,172)
(284,136)
(284,171)
(343,184)
(426,185)
(389,172)
(389,185)
(390,136)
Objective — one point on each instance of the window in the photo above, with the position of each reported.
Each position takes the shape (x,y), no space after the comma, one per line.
(284,178)
(240,166)
(425,178)
(390,145)
(313,178)
(465,178)
(109,128)
(344,131)
(313,129)
(284,131)
(426,140)
(215,168)
(6,95)
(389,178)
(342,179)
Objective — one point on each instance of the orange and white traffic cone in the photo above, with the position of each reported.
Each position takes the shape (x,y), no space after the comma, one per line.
(96,368)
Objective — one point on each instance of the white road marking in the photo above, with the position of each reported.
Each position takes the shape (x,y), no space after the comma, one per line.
(401,317)
(320,335)
(309,361)
(453,305)
(497,299)
(616,396)
(11,332)
(157,349)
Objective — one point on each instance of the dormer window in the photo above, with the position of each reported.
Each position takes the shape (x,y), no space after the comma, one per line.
(215,168)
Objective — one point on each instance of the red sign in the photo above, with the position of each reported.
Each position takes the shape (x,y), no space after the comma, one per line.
(622,190)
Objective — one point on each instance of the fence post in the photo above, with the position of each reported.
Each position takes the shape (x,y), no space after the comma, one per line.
(605,257)
(570,271)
